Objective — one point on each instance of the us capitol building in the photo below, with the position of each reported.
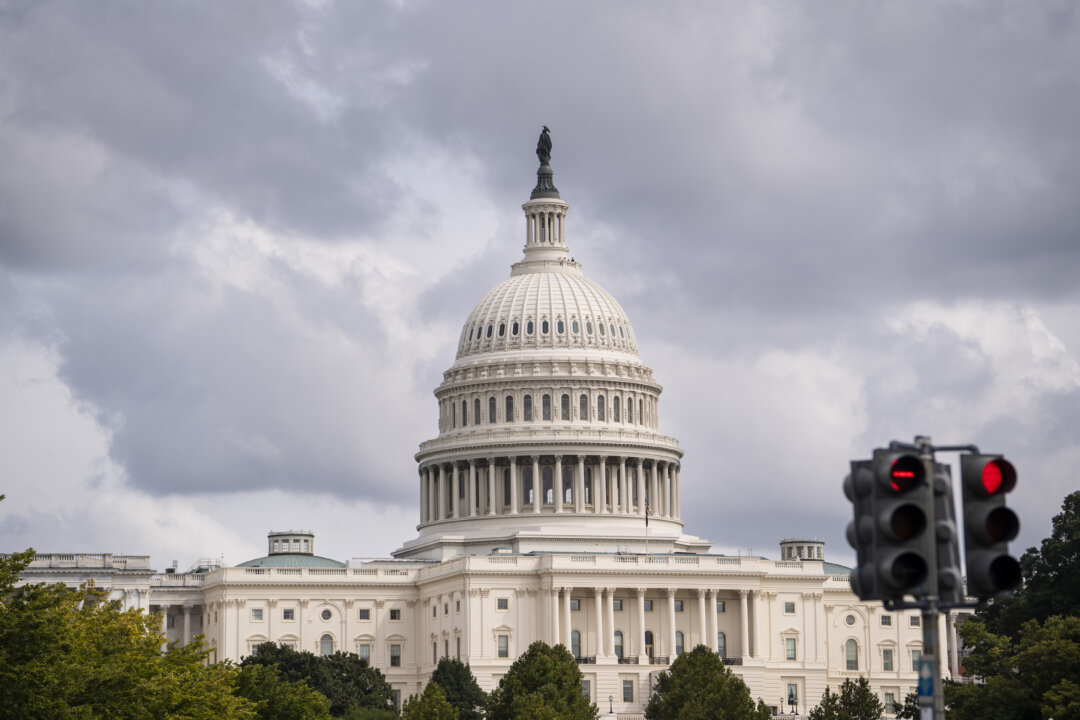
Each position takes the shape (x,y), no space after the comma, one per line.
(532,506)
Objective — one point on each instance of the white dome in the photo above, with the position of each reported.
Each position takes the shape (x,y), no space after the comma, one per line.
(553,306)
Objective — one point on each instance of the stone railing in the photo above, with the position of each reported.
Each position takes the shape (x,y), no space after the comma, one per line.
(733,661)
(91,560)
(586,660)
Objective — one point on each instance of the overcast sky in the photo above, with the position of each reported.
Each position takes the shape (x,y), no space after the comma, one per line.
(238,241)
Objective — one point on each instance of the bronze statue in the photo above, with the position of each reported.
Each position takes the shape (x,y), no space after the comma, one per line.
(543,146)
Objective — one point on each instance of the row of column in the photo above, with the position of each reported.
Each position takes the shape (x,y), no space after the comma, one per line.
(442,496)
(185,638)
(604,621)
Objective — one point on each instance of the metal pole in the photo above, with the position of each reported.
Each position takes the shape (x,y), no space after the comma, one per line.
(931,699)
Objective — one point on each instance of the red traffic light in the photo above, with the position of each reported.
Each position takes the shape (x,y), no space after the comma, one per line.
(998,476)
(906,473)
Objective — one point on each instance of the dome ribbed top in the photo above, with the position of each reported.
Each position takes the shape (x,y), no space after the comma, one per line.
(556,307)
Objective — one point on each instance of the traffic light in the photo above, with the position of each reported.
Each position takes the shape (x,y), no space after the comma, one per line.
(949,585)
(904,547)
(989,525)
(859,488)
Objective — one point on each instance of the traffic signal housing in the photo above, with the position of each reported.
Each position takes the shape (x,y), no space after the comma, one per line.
(989,525)
(904,548)
(950,588)
(859,488)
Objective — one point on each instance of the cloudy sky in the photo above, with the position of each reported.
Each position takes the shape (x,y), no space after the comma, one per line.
(238,241)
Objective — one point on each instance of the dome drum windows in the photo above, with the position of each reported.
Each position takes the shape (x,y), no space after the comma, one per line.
(565,408)
(490,330)
(560,327)
(529,327)
(545,327)
(546,407)
(491,409)
(514,328)
(526,408)
(509,409)
(600,408)
(502,329)
(575,327)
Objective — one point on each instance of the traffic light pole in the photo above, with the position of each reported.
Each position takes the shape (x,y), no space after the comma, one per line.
(931,699)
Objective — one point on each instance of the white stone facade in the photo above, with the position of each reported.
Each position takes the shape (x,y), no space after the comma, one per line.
(532,526)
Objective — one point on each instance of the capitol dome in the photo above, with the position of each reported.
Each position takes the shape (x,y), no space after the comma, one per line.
(549,433)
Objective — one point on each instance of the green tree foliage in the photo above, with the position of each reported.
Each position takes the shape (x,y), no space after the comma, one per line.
(346,680)
(1029,677)
(462,691)
(856,701)
(699,687)
(431,705)
(910,709)
(277,699)
(73,654)
(543,684)
(1051,577)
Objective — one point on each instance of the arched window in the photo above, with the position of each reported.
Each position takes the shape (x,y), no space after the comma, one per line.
(583,407)
(529,328)
(601,324)
(588,486)
(490,329)
(575,327)
(560,327)
(464,413)
(851,654)
(326,645)
(649,643)
(514,328)
(618,644)
(678,642)
(544,327)
(575,643)
(453,415)
(640,412)
(588,327)
(549,494)
(629,410)
(476,411)
(564,409)
(502,329)
(491,409)
(721,644)
(615,408)
(600,407)
(527,408)
(509,408)
(546,406)
(527,484)
(567,484)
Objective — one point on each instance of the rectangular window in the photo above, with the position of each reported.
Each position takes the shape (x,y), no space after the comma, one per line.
(886,659)
(916,657)
(502,603)
(446,648)
(288,614)
(678,606)
(364,614)
(792,694)
(364,652)
(256,614)
(395,696)
(504,646)
(586,689)
(446,609)
(617,605)
(890,703)
(628,691)
(575,605)
(789,608)
(648,606)
(789,648)
(886,621)
(457,606)
(915,621)
(395,656)
(720,606)
(395,613)
(434,610)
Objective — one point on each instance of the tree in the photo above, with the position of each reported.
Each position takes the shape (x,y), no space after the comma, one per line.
(699,687)
(346,679)
(74,654)
(910,709)
(277,699)
(1028,677)
(856,701)
(543,684)
(431,705)
(1051,577)
(462,691)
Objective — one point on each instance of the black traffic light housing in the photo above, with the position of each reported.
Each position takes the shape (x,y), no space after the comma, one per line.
(950,588)
(904,546)
(859,488)
(989,525)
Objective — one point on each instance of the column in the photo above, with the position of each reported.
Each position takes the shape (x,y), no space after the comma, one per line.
(601,486)
(643,657)
(676,505)
(670,629)
(952,645)
(164,626)
(491,486)
(744,624)
(455,491)
(557,484)
(442,492)
(711,628)
(471,491)
(609,612)
(641,491)
(579,485)
(186,637)
(624,496)
(598,620)
(567,626)
(702,637)
(555,640)
(513,486)
(538,484)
